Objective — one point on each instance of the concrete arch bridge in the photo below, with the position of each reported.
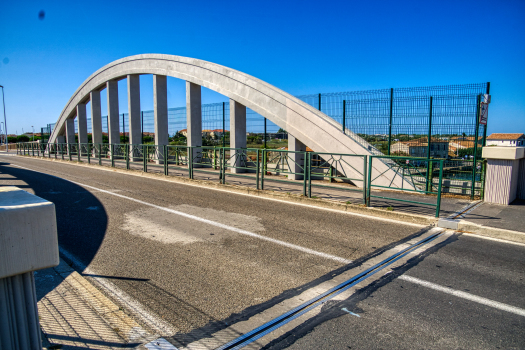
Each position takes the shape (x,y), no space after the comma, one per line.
(306,125)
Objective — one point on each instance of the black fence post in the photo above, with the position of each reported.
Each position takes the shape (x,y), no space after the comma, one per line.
(142,128)
(319,102)
(223,125)
(264,132)
(390,120)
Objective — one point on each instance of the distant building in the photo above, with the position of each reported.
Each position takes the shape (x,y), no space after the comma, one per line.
(418,148)
(511,140)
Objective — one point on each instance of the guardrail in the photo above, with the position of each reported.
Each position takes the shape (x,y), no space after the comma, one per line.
(419,170)
(261,165)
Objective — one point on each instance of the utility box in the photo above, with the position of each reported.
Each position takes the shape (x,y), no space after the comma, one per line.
(28,242)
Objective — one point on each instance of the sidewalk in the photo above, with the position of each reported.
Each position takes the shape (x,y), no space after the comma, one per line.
(75,315)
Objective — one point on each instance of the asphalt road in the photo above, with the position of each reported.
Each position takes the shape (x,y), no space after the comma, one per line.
(399,314)
(151,239)
(190,273)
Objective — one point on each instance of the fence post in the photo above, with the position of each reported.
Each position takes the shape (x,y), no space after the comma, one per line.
(165,147)
(344,116)
(263,165)
(69,151)
(438,204)
(145,156)
(112,153)
(223,125)
(319,102)
(142,128)
(99,154)
(127,155)
(429,143)
(369,182)
(364,178)
(264,132)
(32,149)
(390,120)
(484,142)
(305,177)
(476,133)
(190,162)
(89,153)
(38,150)
(78,151)
(257,169)
(309,161)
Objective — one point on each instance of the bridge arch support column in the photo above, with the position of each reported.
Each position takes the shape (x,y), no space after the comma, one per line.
(113,112)
(194,118)
(296,159)
(237,133)
(96,117)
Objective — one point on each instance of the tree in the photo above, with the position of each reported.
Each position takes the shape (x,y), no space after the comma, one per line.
(282,131)
(22,138)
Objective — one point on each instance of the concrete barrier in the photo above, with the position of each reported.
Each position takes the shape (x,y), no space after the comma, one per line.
(28,242)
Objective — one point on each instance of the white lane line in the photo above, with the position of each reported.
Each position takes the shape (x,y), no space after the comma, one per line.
(148,317)
(484,301)
(392,221)
(218,224)
(493,239)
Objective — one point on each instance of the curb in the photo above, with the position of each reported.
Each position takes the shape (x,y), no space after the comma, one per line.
(493,232)
(288,197)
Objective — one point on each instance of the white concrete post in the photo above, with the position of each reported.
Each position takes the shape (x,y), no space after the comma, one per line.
(194,116)
(134,108)
(296,160)
(82,123)
(237,134)
(160,109)
(113,112)
(96,117)
(70,130)
(502,177)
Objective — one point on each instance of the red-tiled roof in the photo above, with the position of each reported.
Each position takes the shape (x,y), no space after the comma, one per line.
(514,136)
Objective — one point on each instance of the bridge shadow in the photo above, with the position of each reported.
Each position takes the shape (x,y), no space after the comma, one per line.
(81,218)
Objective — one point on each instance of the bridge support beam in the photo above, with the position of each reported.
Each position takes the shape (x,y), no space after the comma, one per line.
(296,159)
(160,107)
(194,117)
(134,109)
(70,130)
(61,139)
(237,134)
(96,117)
(113,112)
(82,123)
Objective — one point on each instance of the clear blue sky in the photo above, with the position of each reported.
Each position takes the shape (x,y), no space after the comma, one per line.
(301,47)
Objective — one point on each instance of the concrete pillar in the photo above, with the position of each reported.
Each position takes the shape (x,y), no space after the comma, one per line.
(296,160)
(194,116)
(82,123)
(70,130)
(160,106)
(134,109)
(113,112)
(237,135)
(503,173)
(61,139)
(96,117)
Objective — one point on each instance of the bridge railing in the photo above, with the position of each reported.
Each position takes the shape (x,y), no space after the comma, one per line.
(316,173)
(419,170)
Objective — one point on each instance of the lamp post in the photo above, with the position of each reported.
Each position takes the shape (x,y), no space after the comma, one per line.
(5,122)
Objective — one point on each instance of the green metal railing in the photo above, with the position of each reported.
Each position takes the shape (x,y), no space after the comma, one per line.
(263,165)
(413,171)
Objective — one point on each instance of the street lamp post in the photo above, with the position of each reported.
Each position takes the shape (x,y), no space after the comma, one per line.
(5,122)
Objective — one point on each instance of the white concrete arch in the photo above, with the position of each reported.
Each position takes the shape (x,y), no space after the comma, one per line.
(312,127)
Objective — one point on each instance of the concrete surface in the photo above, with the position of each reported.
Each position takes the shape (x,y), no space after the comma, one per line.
(96,117)
(237,133)
(315,129)
(160,109)
(134,112)
(113,112)
(28,235)
(398,314)
(501,152)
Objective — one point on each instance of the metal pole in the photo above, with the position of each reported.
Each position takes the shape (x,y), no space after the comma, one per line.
(429,141)
(476,132)
(390,121)
(319,102)
(264,132)
(484,142)
(142,128)
(344,115)
(5,121)
(123,127)
(438,204)
(223,125)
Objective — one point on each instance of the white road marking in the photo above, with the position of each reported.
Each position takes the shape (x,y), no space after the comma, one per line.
(148,317)
(484,301)
(217,224)
(492,239)
(244,194)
